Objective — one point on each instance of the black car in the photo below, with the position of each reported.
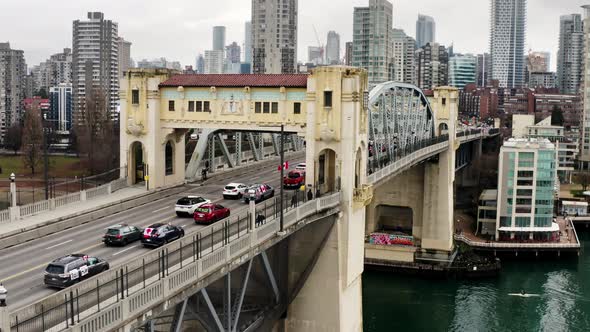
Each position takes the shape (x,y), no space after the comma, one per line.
(159,234)
(66,271)
(122,234)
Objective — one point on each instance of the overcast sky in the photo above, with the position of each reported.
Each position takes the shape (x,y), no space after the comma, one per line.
(180,29)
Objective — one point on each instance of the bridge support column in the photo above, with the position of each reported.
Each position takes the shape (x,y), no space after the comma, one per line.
(331,299)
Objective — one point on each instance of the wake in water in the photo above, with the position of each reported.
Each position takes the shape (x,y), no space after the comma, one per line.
(523,294)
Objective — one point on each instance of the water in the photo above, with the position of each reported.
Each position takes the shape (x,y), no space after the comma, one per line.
(401,303)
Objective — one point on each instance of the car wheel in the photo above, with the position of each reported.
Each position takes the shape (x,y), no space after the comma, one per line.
(240,195)
(125,242)
(179,214)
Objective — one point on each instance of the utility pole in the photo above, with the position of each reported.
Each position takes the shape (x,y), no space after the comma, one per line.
(45,159)
(281,230)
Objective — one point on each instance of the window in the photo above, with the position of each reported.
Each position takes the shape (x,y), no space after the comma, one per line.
(135,97)
(444,101)
(274,108)
(257,107)
(266,108)
(297,108)
(171,105)
(191,106)
(206,107)
(169,159)
(199,106)
(327,98)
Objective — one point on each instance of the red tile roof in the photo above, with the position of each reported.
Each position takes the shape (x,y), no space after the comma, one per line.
(237,80)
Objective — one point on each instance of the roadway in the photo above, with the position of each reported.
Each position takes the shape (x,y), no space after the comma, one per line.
(22,266)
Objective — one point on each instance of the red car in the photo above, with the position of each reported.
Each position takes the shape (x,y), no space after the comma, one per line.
(294,179)
(210,213)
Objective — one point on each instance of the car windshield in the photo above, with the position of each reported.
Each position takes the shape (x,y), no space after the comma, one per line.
(184,201)
(294,175)
(54,269)
(230,187)
(203,210)
(112,231)
(198,200)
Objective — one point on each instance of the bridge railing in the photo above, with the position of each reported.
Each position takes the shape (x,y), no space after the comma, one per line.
(102,302)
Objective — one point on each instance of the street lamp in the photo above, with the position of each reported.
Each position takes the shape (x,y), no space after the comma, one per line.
(3,294)
(12,190)
(282,156)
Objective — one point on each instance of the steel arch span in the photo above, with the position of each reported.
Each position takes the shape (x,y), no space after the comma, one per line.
(400,117)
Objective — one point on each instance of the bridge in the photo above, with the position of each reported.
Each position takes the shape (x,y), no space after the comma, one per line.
(368,156)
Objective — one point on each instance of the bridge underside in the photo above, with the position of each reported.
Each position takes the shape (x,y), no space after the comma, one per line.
(252,297)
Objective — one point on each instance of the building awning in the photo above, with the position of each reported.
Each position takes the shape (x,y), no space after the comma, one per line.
(573,203)
(553,228)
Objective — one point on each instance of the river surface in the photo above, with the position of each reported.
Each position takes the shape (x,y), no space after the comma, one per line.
(401,303)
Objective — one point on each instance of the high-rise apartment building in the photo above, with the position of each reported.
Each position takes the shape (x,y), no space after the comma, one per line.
(124,56)
(218,38)
(507,38)
(372,40)
(233,53)
(543,79)
(348,53)
(60,111)
(274,34)
(13,72)
(526,180)
(404,65)
(95,61)
(462,70)
(315,55)
(55,70)
(570,53)
(425,30)
(200,64)
(538,61)
(213,62)
(248,43)
(484,69)
(585,139)
(432,66)
(333,48)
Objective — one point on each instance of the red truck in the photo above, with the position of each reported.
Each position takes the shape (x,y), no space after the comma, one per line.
(294,179)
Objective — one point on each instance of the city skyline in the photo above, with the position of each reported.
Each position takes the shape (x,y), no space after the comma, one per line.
(191,24)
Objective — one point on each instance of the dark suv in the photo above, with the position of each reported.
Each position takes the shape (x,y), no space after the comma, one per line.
(65,271)
(159,234)
(121,234)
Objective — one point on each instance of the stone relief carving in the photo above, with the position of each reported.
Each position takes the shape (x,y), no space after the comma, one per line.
(135,129)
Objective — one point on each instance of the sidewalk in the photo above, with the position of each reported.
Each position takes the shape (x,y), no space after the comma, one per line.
(70,211)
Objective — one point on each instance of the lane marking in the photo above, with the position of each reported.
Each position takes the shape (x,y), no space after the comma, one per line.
(162,209)
(59,244)
(43,264)
(122,251)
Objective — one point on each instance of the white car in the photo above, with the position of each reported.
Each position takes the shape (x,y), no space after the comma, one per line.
(234,190)
(186,206)
(300,167)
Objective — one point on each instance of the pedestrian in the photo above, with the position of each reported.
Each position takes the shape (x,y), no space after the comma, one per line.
(259,220)
(309,195)
(294,200)
(204,174)
(317,193)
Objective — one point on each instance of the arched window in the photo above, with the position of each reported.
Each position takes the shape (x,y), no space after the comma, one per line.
(169,158)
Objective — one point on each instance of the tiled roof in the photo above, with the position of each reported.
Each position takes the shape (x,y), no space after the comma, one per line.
(237,80)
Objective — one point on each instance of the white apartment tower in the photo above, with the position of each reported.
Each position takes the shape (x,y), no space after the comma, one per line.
(248,43)
(570,54)
(372,40)
(124,56)
(585,141)
(13,71)
(404,63)
(274,36)
(333,48)
(507,38)
(95,49)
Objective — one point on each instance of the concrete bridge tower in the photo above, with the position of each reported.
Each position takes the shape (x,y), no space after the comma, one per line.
(336,156)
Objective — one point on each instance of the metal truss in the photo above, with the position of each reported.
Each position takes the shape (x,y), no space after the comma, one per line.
(399,116)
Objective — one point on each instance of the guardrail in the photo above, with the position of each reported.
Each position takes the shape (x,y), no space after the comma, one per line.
(18,212)
(106,300)
(504,245)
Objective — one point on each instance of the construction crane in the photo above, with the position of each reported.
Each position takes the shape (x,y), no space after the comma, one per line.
(320,45)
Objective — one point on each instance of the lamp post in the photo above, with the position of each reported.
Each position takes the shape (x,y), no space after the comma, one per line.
(45,159)
(12,190)
(282,168)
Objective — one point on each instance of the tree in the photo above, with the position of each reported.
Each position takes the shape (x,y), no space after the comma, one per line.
(14,138)
(42,93)
(557,116)
(95,130)
(582,178)
(32,139)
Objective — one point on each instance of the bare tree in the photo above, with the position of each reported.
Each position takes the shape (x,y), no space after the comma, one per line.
(14,138)
(32,139)
(95,131)
(582,178)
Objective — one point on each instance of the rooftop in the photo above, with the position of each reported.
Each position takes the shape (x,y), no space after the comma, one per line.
(528,143)
(237,80)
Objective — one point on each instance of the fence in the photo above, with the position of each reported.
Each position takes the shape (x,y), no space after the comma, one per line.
(102,302)
(87,189)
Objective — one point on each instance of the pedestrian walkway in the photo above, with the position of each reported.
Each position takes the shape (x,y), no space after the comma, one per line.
(70,210)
